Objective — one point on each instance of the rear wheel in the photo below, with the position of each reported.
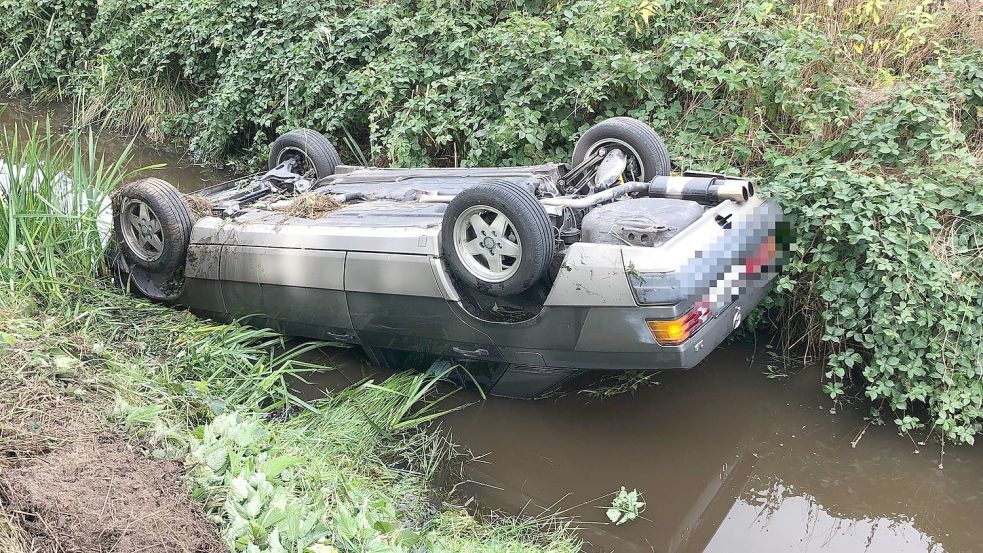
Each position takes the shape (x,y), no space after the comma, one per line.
(647,154)
(311,149)
(497,238)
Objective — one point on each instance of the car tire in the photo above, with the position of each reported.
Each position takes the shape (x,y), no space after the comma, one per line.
(153,225)
(641,141)
(497,239)
(316,150)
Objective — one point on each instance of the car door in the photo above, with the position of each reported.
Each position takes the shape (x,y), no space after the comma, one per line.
(294,290)
(395,302)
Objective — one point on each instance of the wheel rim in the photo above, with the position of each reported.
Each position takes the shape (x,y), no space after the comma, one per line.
(632,154)
(304,165)
(487,243)
(141,230)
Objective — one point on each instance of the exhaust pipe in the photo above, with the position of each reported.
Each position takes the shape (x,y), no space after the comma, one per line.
(704,190)
(594,199)
(731,190)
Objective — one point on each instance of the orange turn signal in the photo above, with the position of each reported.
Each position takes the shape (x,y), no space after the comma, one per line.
(676,331)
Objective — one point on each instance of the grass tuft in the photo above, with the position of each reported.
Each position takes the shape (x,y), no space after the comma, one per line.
(140,106)
(56,214)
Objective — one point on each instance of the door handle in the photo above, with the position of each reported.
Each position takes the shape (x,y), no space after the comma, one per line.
(480,352)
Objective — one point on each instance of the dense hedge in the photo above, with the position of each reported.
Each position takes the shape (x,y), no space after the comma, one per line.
(863,117)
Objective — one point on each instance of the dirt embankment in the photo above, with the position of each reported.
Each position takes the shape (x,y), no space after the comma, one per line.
(67,484)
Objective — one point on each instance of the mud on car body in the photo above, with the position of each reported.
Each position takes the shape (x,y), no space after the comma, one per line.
(525,276)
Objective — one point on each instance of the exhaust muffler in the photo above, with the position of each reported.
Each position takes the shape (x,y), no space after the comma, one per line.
(704,190)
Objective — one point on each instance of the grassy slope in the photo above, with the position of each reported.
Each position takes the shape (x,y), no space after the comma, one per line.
(273,472)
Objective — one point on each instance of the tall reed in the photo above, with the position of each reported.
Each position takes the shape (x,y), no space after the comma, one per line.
(55,214)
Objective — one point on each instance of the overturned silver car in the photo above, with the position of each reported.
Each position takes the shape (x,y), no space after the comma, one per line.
(525,276)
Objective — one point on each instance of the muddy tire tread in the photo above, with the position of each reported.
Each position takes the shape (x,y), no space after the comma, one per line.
(175,220)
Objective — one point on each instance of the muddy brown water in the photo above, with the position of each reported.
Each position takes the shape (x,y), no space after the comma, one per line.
(727,459)
(21,114)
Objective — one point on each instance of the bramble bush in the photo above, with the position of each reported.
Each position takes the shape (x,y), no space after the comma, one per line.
(862,116)
(42,41)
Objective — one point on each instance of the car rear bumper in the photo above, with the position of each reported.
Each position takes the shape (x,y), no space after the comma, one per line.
(722,265)
(619,338)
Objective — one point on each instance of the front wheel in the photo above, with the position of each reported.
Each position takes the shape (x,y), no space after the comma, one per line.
(497,238)
(153,225)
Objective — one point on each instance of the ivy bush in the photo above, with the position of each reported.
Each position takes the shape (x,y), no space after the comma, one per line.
(862,116)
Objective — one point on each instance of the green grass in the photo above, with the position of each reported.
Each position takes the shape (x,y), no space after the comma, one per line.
(352,471)
(131,105)
(49,232)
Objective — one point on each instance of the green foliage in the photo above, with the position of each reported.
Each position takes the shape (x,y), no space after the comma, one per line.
(870,138)
(42,41)
(625,507)
(256,504)
(889,249)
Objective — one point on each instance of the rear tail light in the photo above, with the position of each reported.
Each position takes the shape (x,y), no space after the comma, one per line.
(676,331)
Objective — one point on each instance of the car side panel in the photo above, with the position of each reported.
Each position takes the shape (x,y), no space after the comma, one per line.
(395,302)
(552,328)
(240,283)
(591,275)
(294,290)
(391,273)
(202,279)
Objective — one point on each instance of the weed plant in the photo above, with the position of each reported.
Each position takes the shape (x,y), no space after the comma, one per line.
(53,213)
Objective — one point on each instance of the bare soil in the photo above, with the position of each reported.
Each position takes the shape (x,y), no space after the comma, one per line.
(99,495)
(68,481)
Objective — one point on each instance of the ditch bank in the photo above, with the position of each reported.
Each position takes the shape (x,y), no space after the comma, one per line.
(68,483)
